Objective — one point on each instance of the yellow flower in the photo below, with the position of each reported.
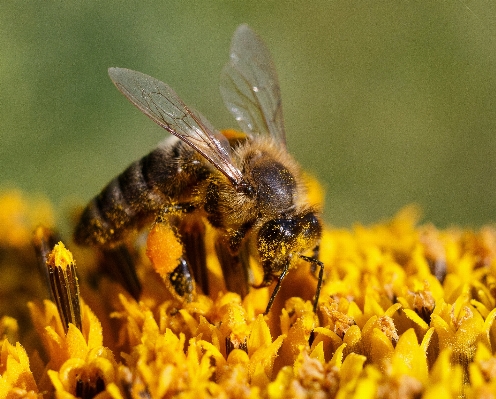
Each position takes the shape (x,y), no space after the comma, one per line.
(405,311)
(16,379)
(78,361)
(18,216)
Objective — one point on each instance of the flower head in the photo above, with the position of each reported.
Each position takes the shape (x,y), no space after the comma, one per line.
(405,311)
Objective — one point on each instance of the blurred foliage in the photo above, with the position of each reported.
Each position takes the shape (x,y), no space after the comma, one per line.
(388,103)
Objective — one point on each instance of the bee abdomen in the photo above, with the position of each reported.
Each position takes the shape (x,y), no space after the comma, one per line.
(166,174)
(119,207)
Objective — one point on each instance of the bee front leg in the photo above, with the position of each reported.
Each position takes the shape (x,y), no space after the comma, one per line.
(315,262)
(316,254)
(268,278)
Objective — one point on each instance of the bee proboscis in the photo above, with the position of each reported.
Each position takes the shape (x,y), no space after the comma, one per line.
(246,186)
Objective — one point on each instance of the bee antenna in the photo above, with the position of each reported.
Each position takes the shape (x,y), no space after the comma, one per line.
(316,262)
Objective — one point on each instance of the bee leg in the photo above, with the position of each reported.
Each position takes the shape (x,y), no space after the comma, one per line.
(176,209)
(267,278)
(235,267)
(315,262)
(192,233)
(181,281)
(120,264)
(313,265)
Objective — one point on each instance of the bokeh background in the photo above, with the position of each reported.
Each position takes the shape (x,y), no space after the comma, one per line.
(387,102)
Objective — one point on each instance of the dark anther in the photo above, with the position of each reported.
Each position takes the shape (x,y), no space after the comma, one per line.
(311,338)
(87,388)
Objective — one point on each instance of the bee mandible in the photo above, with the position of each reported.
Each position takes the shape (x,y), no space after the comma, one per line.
(246,186)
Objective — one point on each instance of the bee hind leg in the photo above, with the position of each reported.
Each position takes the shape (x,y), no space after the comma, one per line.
(192,235)
(178,235)
(180,280)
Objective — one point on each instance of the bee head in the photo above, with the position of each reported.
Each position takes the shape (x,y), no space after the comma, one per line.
(281,239)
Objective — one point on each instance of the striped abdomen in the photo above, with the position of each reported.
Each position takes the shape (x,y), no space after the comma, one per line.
(167,174)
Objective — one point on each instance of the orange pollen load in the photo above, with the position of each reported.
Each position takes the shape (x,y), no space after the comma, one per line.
(163,248)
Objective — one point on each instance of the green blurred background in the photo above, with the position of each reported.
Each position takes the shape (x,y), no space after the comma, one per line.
(387,102)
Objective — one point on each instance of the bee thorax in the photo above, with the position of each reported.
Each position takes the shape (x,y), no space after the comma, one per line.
(275,187)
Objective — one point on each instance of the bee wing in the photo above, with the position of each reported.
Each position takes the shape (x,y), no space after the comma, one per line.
(250,88)
(161,104)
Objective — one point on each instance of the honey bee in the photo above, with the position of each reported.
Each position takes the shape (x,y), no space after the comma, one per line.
(246,186)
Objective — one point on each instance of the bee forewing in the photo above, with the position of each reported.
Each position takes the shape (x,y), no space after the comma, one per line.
(250,87)
(161,104)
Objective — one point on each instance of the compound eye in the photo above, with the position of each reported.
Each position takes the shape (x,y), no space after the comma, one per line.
(310,228)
